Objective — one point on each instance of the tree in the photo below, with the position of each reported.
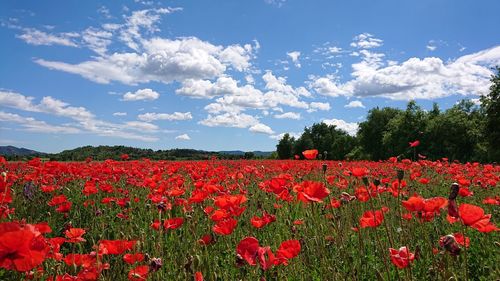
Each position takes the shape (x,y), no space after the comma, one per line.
(249,155)
(285,147)
(404,127)
(371,132)
(491,106)
(305,142)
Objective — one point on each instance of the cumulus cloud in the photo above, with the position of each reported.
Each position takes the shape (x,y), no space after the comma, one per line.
(261,128)
(48,105)
(142,94)
(288,115)
(176,116)
(84,120)
(350,128)
(354,104)
(366,41)
(234,98)
(294,56)
(319,106)
(237,120)
(183,137)
(415,78)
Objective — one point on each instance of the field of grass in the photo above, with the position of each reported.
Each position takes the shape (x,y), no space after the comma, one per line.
(249,220)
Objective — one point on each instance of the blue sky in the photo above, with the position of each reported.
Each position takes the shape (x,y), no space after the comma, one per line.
(223,75)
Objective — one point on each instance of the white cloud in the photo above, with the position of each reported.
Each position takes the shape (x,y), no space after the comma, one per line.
(319,106)
(37,37)
(261,128)
(431,47)
(85,120)
(366,41)
(294,56)
(97,40)
(277,3)
(328,86)
(183,137)
(280,136)
(141,126)
(288,115)
(32,125)
(427,78)
(162,60)
(350,128)
(176,116)
(354,104)
(142,94)
(120,114)
(334,50)
(48,105)
(235,98)
(237,120)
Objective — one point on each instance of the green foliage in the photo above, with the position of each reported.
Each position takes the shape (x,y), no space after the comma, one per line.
(491,107)
(285,147)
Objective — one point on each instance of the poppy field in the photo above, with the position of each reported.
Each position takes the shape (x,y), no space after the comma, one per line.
(249,220)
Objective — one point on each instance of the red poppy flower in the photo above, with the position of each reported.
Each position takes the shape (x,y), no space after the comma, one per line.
(287,250)
(22,248)
(247,249)
(74,235)
(402,257)
(461,239)
(115,247)
(89,188)
(310,154)
(206,239)
(225,227)
(474,217)
(173,223)
(359,172)
(465,192)
(414,143)
(260,222)
(311,191)
(371,218)
(139,273)
(83,260)
(198,276)
(133,258)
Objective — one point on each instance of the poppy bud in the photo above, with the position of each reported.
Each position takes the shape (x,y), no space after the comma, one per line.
(401,174)
(162,207)
(325,154)
(239,261)
(449,243)
(454,191)
(324,167)
(155,264)
(365,181)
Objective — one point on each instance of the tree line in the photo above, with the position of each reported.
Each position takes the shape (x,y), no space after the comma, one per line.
(464,132)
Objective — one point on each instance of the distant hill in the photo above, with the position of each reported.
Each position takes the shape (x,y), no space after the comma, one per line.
(241,153)
(103,152)
(10,150)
